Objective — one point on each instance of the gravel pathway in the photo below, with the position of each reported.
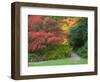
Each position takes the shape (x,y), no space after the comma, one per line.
(75,56)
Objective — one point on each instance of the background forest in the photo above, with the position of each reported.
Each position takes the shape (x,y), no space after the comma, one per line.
(57,40)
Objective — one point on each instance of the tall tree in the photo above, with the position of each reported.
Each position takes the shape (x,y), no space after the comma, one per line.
(78,35)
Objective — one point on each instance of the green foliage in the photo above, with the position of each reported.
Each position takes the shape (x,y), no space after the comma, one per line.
(51,53)
(57,17)
(32,57)
(59,51)
(79,34)
(83,51)
(78,38)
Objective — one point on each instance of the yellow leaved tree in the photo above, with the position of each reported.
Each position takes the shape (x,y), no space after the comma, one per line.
(66,24)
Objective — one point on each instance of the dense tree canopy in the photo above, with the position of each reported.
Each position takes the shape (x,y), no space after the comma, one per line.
(78,37)
(78,34)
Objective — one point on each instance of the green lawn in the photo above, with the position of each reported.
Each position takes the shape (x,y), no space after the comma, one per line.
(59,62)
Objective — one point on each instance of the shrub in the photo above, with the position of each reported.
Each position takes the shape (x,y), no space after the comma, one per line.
(32,57)
(83,52)
(51,53)
(59,51)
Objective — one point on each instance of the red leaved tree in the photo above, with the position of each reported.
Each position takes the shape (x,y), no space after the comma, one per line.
(33,20)
(41,39)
